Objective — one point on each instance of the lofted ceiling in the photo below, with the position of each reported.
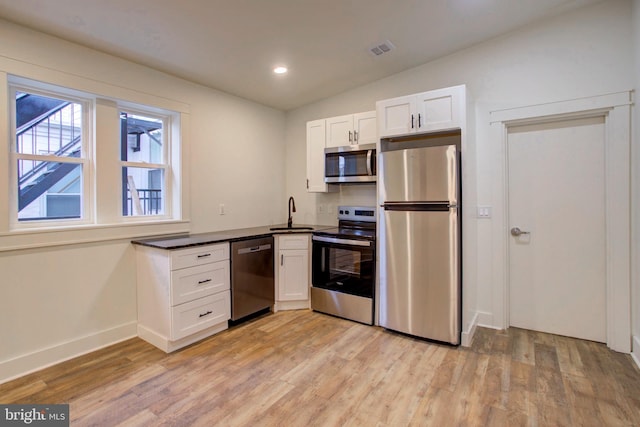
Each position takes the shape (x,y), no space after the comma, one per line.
(233,45)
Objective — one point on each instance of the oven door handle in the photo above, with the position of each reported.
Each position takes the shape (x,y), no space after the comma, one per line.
(341,241)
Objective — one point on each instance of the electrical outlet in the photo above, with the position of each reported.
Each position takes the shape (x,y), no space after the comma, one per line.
(222,211)
(321,208)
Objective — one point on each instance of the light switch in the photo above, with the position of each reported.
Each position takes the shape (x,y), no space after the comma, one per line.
(484,212)
(221,208)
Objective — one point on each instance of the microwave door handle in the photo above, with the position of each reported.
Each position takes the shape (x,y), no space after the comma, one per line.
(369,162)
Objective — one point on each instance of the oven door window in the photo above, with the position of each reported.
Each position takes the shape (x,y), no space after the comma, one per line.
(343,268)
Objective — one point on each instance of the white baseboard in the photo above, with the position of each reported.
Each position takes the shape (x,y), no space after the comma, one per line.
(291,305)
(466,338)
(167,346)
(635,350)
(485,319)
(43,358)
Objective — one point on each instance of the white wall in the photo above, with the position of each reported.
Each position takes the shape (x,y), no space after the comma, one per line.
(56,302)
(635,188)
(581,53)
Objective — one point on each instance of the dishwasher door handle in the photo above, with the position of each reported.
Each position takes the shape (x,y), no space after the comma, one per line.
(254,249)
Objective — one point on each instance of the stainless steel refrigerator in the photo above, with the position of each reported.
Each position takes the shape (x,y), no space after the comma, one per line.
(420,229)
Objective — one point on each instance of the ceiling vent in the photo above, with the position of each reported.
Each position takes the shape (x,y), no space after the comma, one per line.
(381,48)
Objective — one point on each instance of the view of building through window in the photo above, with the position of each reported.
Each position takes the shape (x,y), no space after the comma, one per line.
(49,157)
(143,165)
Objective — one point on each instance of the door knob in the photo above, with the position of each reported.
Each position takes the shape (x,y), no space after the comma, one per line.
(515,231)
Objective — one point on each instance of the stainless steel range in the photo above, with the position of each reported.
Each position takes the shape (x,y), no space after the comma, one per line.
(344,265)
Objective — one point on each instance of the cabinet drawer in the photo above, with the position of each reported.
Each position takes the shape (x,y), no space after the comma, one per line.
(194,316)
(195,282)
(294,241)
(199,255)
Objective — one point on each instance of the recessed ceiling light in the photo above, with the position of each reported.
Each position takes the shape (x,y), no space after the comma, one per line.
(280,70)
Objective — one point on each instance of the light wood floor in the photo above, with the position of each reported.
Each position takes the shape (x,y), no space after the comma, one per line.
(302,369)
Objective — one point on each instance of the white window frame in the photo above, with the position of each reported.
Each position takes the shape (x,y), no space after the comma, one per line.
(166,166)
(103,219)
(17,84)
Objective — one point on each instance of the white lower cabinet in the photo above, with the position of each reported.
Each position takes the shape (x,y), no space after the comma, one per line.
(292,271)
(183,294)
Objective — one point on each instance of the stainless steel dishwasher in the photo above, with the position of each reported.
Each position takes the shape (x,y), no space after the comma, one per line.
(252,283)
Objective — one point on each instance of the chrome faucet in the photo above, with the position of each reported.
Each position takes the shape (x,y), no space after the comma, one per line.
(291,209)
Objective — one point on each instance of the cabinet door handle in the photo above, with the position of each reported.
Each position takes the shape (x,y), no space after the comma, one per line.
(355,136)
(205,314)
(200,282)
(419,120)
(282,259)
(307,183)
(204,255)
(412,121)
(350,137)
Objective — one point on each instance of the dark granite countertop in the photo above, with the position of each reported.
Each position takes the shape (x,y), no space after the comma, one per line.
(181,241)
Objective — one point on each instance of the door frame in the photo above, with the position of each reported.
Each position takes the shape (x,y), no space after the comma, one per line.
(615,108)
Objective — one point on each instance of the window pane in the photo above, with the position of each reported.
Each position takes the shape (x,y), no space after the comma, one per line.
(51,190)
(142,191)
(48,126)
(140,138)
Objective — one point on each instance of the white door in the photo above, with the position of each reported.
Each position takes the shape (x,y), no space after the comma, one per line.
(556,190)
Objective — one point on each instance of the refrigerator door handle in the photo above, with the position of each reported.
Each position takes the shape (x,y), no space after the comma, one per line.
(418,206)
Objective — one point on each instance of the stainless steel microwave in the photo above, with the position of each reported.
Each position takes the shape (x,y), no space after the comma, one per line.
(352,163)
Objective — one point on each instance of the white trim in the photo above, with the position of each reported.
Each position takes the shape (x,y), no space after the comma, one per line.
(291,305)
(25,71)
(569,107)
(46,357)
(615,108)
(40,238)
(486,320)
(466,338)
(161,342)
(635,354)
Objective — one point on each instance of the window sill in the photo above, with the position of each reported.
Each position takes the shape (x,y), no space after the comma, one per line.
(59,236)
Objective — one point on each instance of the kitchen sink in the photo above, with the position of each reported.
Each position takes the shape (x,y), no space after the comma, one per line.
(290,228)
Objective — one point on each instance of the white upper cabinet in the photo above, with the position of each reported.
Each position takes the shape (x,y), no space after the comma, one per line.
(315,156)
(435,110)
(339,131)
(365,126)
(360,128)
(396,116)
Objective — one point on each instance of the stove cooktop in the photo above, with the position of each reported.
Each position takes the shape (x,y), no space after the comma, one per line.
(350,233)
